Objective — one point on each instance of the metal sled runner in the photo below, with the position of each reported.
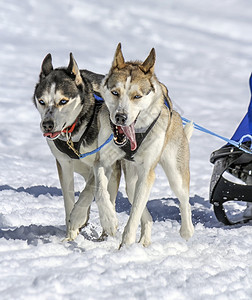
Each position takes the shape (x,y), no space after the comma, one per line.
(234,161)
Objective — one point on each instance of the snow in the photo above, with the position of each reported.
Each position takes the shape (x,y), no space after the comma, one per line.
(204,57)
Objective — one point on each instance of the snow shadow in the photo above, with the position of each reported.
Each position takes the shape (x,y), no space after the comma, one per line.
(158,208)
(168,209)
(36,191)
(33,233)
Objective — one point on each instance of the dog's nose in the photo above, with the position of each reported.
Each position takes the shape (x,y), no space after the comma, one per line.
(120,118)
(48,125)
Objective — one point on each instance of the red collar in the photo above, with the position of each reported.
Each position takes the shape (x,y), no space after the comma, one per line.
(70,129)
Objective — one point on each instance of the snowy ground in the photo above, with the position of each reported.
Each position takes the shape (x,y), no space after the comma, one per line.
(204,56)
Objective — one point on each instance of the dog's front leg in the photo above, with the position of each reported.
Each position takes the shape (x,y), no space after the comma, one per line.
(80,213)
(106,209)
(142,192)
(146,219)
(66,177)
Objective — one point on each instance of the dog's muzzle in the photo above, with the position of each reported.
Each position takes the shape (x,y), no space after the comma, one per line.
(48,126)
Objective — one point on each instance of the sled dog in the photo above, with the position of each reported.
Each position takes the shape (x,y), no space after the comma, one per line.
(65,100)
(146,132)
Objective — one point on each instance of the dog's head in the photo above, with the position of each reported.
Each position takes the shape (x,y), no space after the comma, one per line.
(128,90)
(58,96)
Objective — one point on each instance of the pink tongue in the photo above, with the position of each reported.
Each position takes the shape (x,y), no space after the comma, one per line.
(52,134)
(129,131)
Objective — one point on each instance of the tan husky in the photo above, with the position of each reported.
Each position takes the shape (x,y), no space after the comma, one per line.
(146,132)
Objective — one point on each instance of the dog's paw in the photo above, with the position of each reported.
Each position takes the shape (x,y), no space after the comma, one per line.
(145,241)
(109,223)
(108,217)
(78,219)
(145,238)
(186,232)
(71,235)
(127,238)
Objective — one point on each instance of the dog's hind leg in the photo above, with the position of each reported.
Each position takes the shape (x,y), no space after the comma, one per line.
(176,167)
(146,219)
(66,177)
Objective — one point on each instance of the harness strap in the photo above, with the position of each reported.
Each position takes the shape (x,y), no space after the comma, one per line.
(64,148)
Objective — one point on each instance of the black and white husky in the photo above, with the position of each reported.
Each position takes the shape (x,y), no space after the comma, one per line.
(65,100)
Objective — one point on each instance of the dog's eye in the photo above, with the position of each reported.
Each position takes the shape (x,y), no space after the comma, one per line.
(137,96)
(63,102)
(115,93)
(41,102)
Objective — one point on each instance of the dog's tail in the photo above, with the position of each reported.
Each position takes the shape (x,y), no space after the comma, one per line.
(188,129)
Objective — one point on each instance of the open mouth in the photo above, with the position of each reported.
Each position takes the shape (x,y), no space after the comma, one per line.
(122,134)
(52,135)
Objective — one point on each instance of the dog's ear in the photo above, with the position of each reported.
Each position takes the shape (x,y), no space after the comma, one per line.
(46,66)
(118,61)
(74,70)
(148,65)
